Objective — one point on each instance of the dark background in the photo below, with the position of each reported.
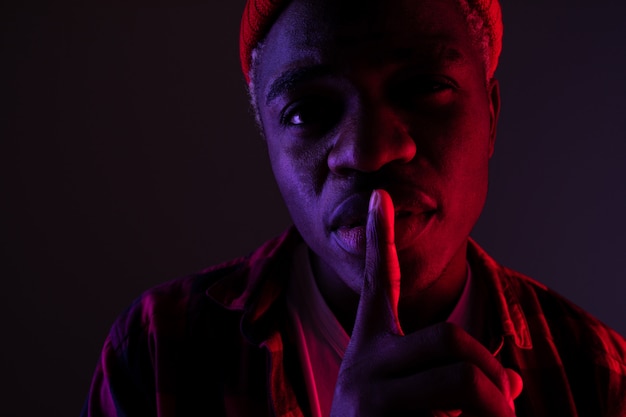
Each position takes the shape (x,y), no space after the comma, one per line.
(128,157)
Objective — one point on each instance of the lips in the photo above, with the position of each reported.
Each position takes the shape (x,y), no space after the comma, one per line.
(413,211)
(352,212)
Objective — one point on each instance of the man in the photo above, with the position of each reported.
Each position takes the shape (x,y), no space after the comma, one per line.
(380,118)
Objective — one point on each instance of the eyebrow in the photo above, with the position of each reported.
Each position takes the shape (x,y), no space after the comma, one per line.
(290,78)
(287,80)
(438,53)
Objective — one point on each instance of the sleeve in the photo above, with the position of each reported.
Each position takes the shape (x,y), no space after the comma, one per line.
(154,359)
(614,365)
(100,400)
(595,363)
(123,382)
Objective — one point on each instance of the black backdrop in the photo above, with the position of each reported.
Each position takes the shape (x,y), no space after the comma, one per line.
(129,157)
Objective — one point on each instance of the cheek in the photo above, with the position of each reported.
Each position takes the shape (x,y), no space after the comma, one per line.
(467,178)
(458,154)
(465,147)
(300,173)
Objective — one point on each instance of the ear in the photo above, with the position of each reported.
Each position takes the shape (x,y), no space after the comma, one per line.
(493,91)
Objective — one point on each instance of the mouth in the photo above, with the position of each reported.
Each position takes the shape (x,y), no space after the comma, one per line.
(352,222)
(349,219)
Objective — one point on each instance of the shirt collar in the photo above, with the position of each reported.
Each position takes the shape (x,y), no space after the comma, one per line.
(260,279)
(461,313)
(255,286)
(512,318)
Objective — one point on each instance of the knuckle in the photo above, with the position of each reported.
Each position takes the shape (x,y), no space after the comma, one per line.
(502,379)
(450,334)
(470,377)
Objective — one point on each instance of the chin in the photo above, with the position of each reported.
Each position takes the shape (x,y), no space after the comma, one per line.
(422,267)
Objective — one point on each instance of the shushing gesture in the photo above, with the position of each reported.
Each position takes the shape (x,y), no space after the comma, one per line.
(438,371)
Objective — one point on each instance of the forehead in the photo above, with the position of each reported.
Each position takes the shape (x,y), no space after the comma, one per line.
(349,33)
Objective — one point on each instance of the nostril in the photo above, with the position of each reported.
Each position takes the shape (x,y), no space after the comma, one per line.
(369,139)
(369,156)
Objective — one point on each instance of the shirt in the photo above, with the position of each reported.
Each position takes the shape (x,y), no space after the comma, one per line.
(215,344)
(322,341)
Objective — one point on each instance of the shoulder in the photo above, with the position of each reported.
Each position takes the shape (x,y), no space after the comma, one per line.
(562,351)
(531,310)
(182,340)
(172,310)
(587,353)
(566,323)
(535,315)
(168,308)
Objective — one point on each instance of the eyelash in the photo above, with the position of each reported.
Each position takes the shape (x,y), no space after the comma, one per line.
(288,113)
(326,108)
(407,93)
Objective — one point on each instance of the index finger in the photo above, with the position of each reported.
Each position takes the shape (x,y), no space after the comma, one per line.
(378,305)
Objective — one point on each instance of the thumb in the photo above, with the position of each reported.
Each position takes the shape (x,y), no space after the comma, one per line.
(516,385)
(378,305)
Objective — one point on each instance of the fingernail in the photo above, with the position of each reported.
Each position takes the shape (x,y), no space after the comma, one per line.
(374,201)
(448,413)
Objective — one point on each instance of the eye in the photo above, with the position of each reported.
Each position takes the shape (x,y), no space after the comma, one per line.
(303,114)
(312,113)
(297,119)
(427,86)
(422,91)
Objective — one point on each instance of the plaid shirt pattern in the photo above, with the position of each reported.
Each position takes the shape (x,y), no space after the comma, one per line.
(215,344)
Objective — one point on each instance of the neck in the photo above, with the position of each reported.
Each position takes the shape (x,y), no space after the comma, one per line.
(420,304)
(422,307)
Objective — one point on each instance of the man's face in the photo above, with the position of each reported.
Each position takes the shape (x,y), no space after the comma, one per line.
(359,95)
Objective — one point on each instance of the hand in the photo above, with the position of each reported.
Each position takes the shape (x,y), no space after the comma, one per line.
(385,372)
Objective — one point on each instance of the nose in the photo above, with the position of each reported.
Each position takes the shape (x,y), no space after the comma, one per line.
(370,140)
